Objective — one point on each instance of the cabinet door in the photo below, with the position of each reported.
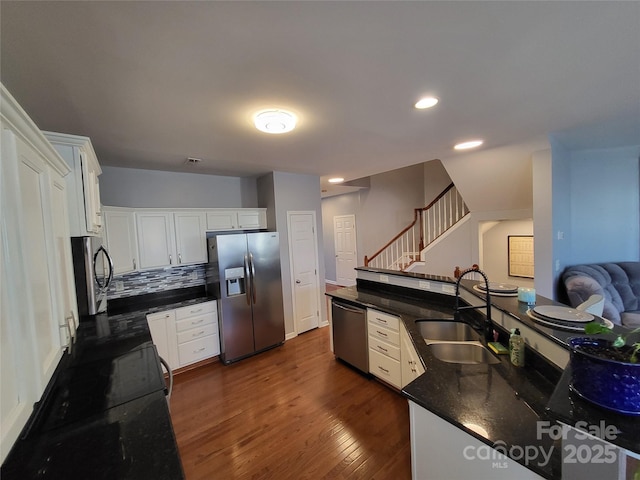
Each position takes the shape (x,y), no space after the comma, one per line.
(120,236)
(92,207)
(222,220)
(191,243)
(40,260)
(249,219)
(158,327)
(68,309)
(155,239)
(411,367)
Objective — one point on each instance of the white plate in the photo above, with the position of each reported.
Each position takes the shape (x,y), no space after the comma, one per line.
(563,313)
(558,326)
(483,291)
(499,287)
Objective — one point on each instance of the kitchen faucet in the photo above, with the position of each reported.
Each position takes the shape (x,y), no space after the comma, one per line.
(487,326)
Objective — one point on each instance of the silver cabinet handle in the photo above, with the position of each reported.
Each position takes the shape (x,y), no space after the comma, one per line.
(199,350)
(170,260)
(201,332)
(198,322)
(298,281)
(179,258)
(196,311)
(383,369)
(134,264)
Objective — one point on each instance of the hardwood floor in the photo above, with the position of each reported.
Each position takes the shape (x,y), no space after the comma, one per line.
(293,412)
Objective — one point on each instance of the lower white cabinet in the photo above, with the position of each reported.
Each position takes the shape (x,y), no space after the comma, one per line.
(411,366)
(186,335)
(392,356)
(384,347)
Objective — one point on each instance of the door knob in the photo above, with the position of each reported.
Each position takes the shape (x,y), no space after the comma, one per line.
(297,281)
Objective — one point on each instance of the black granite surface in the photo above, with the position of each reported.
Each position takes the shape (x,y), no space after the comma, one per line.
(104,414)
(506,401)
(569,408)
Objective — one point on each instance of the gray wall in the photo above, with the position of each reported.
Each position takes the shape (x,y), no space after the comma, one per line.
(381,211)
(293,192)
(130,187)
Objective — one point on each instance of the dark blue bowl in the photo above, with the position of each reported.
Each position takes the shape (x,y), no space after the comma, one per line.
(608,383)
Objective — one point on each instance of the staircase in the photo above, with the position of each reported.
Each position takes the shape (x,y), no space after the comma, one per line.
(428,224)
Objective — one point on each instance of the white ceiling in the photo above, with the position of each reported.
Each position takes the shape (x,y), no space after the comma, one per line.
(153,83)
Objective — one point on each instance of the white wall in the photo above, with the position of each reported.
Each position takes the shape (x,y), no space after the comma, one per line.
(130,187)
(495,250)
(436,179)
(347,204)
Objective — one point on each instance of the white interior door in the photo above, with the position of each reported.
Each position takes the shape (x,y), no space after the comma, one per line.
(303,248)
(344,231)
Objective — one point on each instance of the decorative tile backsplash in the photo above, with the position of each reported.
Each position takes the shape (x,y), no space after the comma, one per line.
(153,281)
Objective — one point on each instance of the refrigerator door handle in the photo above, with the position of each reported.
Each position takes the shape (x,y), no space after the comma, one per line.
(247,276)
(107,282)
(253,277)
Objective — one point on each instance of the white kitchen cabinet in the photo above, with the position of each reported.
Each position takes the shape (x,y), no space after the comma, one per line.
(237,219)
(411,366)
(163,332)
(187,334)
(121,240)
(191,241)
(156,239)
(384,347)
(197,332)
(170,238)
(85,215)
(33,268)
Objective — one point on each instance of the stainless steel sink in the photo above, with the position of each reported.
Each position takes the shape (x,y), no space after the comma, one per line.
(465,353)
(445,331)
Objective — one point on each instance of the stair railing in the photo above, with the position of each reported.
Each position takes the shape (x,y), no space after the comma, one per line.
(429,223)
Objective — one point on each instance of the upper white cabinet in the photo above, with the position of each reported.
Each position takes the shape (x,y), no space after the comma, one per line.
(237,219)
(35,267)
(120,237)
(170,238)
(85,215)
(191,241)
(156,242)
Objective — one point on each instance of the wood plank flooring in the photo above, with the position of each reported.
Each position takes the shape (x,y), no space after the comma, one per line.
(293,412)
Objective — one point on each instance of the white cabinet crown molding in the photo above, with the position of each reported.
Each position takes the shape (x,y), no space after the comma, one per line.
(15,116)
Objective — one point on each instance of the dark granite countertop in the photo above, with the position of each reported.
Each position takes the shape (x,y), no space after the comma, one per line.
(504,400)
(104,414)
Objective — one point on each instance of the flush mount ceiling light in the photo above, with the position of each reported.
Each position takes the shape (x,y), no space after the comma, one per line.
(467,145)
(274,121)
(336,180)
(426,102)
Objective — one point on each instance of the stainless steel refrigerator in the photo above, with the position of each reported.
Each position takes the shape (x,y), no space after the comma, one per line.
(244,274)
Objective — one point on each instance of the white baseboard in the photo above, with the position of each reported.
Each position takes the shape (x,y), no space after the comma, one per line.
(290,335)
(330,282)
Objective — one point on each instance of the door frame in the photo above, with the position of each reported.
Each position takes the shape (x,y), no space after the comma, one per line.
(292,280)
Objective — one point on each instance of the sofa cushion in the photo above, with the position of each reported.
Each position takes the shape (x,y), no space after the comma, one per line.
(619,283)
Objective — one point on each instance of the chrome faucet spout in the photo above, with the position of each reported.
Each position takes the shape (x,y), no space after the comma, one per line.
(487,325)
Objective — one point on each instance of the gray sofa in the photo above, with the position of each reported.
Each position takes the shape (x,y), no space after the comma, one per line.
(618,283)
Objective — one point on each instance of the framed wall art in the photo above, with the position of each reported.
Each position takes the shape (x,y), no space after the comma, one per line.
(520,254)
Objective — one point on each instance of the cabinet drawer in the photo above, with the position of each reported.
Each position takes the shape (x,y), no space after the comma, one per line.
(199,349)
(384,319)
(195,322)
(205,330)
(377,331)
(384,348)
(197,309)
(385,368)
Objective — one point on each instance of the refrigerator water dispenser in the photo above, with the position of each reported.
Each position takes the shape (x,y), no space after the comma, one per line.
(234,279)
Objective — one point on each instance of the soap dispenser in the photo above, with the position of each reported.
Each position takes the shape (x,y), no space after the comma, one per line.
(516,348)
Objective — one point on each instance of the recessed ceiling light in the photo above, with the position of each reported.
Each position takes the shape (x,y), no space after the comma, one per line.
(275,121)
(426,102)
(336,180)
(467,145)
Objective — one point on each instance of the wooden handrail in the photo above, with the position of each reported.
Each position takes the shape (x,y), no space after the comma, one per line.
(417,214)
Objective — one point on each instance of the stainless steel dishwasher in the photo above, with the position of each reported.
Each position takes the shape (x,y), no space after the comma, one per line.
(350,334)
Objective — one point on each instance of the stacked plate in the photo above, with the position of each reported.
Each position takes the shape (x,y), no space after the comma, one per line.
(500,289)
(564,318)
